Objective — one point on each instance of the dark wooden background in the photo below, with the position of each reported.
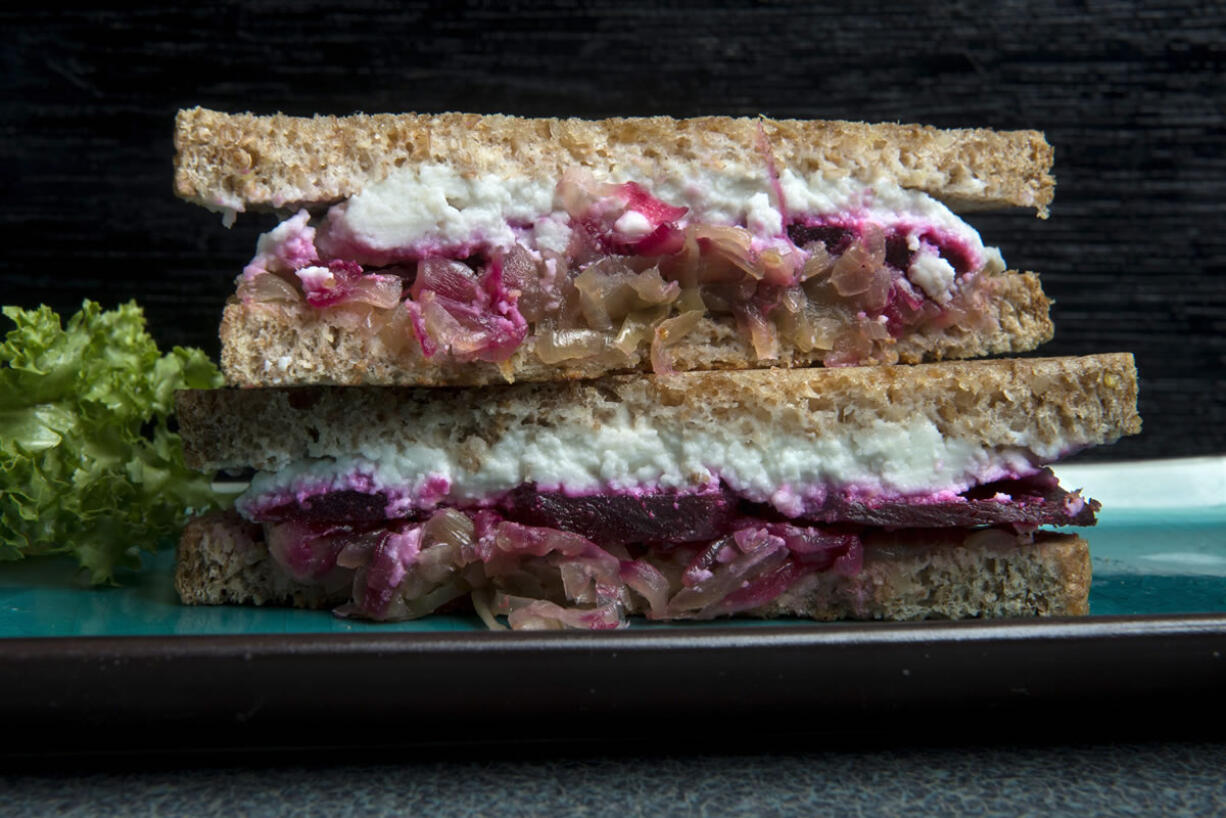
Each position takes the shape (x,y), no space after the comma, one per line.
(1131,95)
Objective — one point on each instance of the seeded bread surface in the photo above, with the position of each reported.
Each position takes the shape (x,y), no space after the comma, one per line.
(1059,404)
(246,161)
(293,345)
(222,560)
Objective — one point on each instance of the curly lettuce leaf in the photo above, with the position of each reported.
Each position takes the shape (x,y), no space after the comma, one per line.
(88,464)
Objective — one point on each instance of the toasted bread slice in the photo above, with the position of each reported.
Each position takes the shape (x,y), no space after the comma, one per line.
(1047,406)
(245,161)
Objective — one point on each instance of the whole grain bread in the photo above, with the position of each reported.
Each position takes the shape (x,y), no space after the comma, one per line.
(906,578)
(1047,405)
(906,575)
(290,345)
(244,161)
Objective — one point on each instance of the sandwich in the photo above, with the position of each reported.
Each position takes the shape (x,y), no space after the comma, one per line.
(456,249)
(877,492)
(561,373)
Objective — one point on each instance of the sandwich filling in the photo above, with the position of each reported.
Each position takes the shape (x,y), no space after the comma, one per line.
(578,527)
(454,268)
(547,560)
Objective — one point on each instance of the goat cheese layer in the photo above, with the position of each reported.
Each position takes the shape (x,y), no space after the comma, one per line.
(884,460)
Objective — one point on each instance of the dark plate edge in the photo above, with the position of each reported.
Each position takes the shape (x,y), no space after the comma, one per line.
(1124,676)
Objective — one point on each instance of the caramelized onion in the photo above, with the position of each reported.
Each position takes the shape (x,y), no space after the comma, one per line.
(483,325)
(448,278)
(306,551)
(638,328)
(684,265)
(812,327)
(396,333)
(702,600)
(577,192)
(555,346)
(760,330)
(415,607)
(701,566)
(264,287)
(482,600)
(381,291)
(539,614)
(443,328)
(610,290)
(355,554)
(778,267)
(648,582)
(377,585)
(851,347)
(522,274)
(665,240)
(873,329)
(689,603)
(772,579)
(726,253)
(450,526)
(549,578)
(592,579)
(819,263)
(667,334)
(690,299)
(651,288)
(969,308)
(862,272)
(603,292)
(437,562)
(793,299)
(354,317)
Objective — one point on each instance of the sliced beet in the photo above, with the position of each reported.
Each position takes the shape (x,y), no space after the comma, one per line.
(837,239)
(1032,501)
(347,505)
(897,254)
(625,519)
(958,255)
(669,517)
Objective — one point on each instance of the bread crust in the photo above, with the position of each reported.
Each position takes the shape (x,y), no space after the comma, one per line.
(905,576)
(250,162)
(1057,404)
(222,561)
(292,345)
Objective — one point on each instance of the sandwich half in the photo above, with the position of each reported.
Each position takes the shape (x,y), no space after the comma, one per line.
(458,249)
(858,492)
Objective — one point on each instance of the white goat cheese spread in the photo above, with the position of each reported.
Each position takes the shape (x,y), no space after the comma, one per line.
(886,459)
(933,274)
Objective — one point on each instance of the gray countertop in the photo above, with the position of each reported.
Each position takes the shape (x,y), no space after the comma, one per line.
(1177,778)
